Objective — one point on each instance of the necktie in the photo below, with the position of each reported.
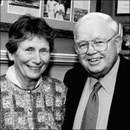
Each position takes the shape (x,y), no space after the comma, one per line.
(91,111)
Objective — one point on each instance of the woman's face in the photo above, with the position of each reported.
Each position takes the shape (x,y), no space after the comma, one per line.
(31,58)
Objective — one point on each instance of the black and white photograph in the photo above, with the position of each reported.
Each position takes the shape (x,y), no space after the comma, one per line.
(57,9)
(1,2)
(126,37)
(21,7)
(80,9)
(122,7)
(64,64)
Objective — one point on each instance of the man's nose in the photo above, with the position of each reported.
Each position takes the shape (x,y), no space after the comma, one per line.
(91,49)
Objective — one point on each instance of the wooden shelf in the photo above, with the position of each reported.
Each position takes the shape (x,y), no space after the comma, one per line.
(4,27)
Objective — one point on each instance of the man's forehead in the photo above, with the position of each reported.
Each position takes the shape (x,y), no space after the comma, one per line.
(98,21)
(95,28)
(94,20)
(93,23)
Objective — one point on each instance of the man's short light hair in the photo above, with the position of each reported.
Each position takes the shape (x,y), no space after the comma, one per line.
(114,25)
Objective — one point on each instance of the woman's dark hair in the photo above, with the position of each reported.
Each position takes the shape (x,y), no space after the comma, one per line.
(26,27)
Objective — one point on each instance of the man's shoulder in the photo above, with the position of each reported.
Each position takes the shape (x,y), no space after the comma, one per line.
(124,69)
(77,69)
(75,75)
(125,63)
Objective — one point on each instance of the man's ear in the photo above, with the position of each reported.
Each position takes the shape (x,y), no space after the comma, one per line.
(119,41)
(75,49)
(10,56)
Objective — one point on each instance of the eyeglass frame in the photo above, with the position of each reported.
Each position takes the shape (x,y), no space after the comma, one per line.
(92,44)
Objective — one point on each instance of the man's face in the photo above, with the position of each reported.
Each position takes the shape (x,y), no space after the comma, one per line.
(31,58)
(97,63)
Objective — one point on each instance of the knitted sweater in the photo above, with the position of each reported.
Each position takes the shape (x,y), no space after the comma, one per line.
(40,108)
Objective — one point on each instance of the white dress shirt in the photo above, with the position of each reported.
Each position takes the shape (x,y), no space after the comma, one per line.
(105,98)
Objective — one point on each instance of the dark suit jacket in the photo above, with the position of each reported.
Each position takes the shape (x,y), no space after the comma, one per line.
(120,109)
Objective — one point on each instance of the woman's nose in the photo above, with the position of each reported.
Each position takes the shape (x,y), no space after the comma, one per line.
(37,58)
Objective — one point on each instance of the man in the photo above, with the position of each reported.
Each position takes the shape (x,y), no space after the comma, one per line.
(98,40)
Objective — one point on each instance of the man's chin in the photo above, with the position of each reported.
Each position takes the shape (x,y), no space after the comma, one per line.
(96,73)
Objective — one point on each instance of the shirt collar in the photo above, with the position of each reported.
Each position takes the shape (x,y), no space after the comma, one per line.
(108,82)
(11,75)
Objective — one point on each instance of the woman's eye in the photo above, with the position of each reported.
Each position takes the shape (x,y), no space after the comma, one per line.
(44,50)
(29,49)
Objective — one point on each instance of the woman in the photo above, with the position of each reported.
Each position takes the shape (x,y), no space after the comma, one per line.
(28,99)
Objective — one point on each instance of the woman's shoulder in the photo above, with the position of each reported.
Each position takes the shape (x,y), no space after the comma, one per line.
(51,79)
(59,85)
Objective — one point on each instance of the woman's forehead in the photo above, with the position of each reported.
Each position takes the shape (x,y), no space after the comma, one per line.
(35,41)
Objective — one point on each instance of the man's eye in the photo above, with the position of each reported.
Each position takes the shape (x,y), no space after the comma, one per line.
(99,42)
(82,45)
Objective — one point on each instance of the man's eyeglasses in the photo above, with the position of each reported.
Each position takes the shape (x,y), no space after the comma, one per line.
(98,45)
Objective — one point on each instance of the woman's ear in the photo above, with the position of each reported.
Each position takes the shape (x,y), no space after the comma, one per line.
(10,56)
